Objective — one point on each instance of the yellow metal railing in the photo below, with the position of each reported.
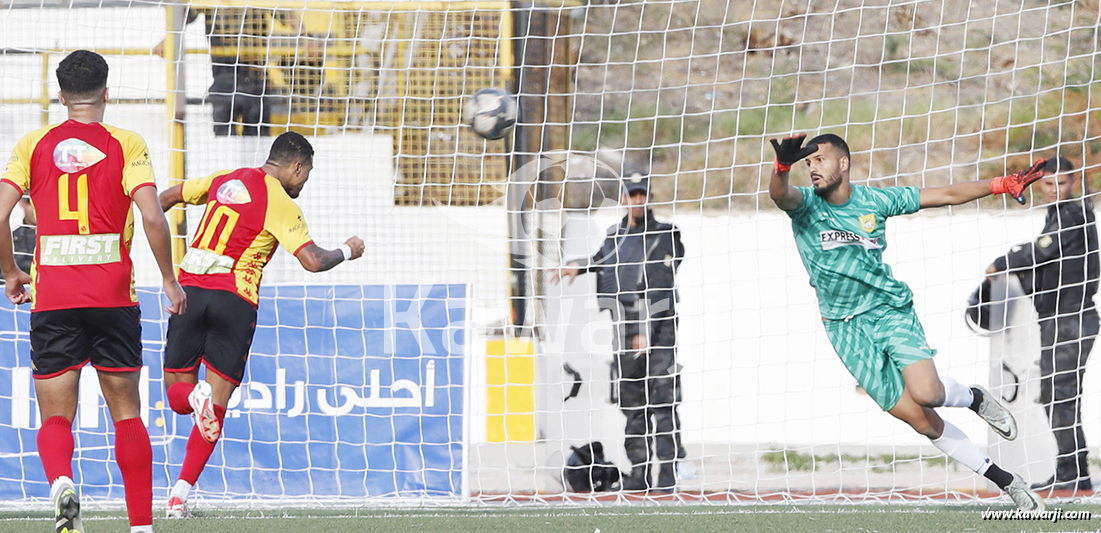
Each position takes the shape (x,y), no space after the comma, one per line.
(429,57)
(44,100)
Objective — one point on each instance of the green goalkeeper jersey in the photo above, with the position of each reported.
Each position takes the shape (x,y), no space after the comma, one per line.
(842,248)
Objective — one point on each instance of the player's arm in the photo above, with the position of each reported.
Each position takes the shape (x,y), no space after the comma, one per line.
(16,278)
(317,259)
(789,151)
(954,194)
(193,191)
(286,222)
(960,193)
(138,182)
(170,197)
(160,242)
(175,195)
(782,192)
(16,180)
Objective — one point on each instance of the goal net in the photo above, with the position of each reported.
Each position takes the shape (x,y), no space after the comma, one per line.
(450,363)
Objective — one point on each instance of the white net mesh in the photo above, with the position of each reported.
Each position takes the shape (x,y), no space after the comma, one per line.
(688,93)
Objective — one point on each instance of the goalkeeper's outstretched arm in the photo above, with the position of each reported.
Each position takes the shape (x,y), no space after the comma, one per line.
(959,193)
(954,194)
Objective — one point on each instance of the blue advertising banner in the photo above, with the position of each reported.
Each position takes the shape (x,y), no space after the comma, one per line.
(350,392)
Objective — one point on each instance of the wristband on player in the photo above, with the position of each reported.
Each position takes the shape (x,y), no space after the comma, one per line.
(997,185)
(347,251)
(780,167)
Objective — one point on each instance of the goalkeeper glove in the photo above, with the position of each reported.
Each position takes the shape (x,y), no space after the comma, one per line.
(790,150)
(1015,184)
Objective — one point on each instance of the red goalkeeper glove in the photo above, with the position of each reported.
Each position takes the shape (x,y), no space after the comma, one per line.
(1015,184)
(790,150)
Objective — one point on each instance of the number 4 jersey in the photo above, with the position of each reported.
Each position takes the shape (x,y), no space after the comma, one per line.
(81,178)
(248,214)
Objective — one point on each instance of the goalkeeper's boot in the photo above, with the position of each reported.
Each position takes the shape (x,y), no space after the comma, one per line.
(202,402)
(1025,498)
(177,508)
(996,414)
(66,507)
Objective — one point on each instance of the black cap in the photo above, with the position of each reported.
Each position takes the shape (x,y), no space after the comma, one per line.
(636,182)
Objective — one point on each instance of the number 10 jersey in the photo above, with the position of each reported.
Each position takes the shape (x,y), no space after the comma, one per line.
(248,214)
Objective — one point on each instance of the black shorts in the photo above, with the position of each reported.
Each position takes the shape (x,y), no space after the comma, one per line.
(67,339)
(216,329)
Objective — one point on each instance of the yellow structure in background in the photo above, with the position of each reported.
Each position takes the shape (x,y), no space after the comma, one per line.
(510,382)
(392,67)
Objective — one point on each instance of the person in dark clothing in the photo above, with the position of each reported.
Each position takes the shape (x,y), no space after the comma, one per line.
(238,42)
(1060,270)
(636,280)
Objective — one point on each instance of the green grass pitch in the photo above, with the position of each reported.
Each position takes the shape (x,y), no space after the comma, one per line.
(780,518)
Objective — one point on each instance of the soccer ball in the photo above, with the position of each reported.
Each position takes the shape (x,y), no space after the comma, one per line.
(491,112)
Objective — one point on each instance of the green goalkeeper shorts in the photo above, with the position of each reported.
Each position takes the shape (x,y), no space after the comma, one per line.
(876,345)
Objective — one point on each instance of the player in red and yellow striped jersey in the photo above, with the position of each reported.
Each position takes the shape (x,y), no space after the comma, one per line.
(249,213)
(83,176)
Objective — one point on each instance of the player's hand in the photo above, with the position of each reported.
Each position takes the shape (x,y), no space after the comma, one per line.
(16,289)
(177,298)
(1015,184)
(570,272)
(357,246)
(790,151)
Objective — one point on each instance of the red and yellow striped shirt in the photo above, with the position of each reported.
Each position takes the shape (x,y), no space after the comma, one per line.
(248,214)
(81,178)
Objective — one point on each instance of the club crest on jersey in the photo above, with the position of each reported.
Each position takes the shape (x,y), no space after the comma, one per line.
(74,155)
(867,222)
(233,192)
(836,238)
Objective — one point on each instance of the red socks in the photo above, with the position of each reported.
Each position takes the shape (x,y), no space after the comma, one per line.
(177,397)
(55,447)
(134,455)
(199,450)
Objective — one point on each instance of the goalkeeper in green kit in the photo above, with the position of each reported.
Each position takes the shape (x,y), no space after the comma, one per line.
(868,314)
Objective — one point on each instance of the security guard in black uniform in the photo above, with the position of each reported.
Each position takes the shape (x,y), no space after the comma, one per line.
(240,93)
(636,273)
(1060,270)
